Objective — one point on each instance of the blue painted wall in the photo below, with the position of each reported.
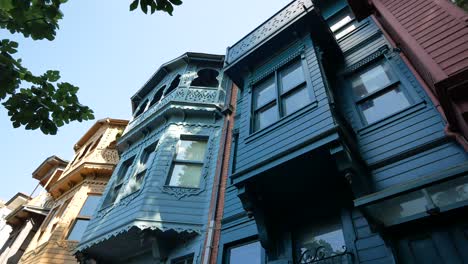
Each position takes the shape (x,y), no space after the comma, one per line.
(187,111)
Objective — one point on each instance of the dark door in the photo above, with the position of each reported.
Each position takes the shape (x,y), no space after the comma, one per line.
(446,244)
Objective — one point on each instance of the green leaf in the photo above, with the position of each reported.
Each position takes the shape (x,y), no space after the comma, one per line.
(134,5)
(176,2)
(6,5)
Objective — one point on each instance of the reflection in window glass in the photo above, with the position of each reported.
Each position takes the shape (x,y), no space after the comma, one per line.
(188,163)
(246,254)
(372,80)
(384,105)
(448,193)
(343,21)
(266,117)
(78,229)
(90,205)
(265,93)
(292,76)
(345,31)
(280,95)
(327,238)
(186,175)
(191,150)
(296,100)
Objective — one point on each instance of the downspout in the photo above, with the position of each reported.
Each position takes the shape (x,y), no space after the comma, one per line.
(212,226)
(450,133)
(217,187)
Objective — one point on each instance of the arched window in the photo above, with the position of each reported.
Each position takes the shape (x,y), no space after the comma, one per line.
(206,78)
(141,108)
(157,96)
(174,84)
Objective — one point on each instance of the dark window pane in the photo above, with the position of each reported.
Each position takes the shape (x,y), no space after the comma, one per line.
(291,76)
(186,175)
(191,150)
(326,237)
(296,100)
(246,254)
(78,229)
(90,205)
(266,117)
(384,105)
(184,260)
(264,93)
(372,80)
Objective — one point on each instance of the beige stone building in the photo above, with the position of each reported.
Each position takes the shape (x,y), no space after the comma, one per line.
(75,192)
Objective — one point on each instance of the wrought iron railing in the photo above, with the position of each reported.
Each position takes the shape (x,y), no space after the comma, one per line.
(195,95)
(319,256)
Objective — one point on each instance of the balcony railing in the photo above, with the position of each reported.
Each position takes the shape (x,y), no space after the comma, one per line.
(320,257)
(194,95)
(270,27)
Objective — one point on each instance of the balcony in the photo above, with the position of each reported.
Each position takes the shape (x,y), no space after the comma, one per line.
(194,96)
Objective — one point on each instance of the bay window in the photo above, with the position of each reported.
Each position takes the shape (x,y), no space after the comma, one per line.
(282,93)
(145,157)
(188,163)
(82,220)
(118,183)
(378,92)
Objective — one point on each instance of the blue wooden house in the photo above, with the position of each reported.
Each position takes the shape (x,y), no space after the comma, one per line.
(339,155)
(155,207)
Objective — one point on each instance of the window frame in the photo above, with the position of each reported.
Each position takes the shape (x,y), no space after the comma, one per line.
(399,81)
(79,216)
(279,95)
(176,161)
(118,182)
(184,258)
(149,151)
(334,19)
(239,243)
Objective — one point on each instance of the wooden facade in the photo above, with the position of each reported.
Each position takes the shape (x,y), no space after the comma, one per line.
(340,163)
(71,188)
(147,215)
(434,37)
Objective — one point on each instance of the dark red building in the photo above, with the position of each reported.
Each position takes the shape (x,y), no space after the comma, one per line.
(433,35)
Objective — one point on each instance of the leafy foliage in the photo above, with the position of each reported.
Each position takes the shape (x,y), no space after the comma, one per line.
(155,5)
(463,4)
(45,103)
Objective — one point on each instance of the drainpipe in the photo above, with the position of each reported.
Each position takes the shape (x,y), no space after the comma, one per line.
(226,135)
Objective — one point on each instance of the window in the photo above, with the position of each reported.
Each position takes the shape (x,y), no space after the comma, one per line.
(117,185)
(326,238)
(378,92)
(81,221)
(183,260)
(145,157)
(187,166)
(342,23)
(49,218)
(280,95)
(250,253)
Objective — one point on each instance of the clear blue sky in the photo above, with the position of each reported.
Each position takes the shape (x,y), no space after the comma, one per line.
(110,53)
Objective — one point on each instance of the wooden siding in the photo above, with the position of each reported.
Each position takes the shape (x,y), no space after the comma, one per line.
(290,131)
(369,246)
(436,28)
(406,145)
(53,246)
(154,205)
